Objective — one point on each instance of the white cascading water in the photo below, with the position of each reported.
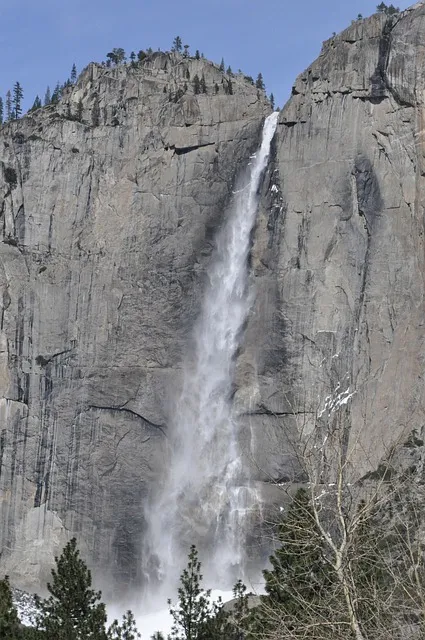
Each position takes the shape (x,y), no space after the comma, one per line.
(206,495)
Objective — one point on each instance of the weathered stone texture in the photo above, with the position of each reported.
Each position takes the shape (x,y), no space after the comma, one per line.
(107,225)
(340,269)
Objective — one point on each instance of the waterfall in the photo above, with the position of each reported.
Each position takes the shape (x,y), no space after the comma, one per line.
(206,495)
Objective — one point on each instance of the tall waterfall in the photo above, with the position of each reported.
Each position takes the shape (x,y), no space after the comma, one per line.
(206,494)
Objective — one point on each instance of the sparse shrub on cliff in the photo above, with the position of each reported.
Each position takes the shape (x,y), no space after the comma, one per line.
(36,104)
(222,67)
(203,84)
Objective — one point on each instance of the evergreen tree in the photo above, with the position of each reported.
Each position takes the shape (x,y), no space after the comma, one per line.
(47,97)
(222,67)
(127,630)
(73,74)
(56,95)
(149,51)
(197,55)
(229,70)
(177,44)
(203,84)
(381,7)
(193,608)
(187,74)
(186,51)
(18,94)
(158,636)
(216,88)
(73,610)
(116,56)
(299,572)
(36,104)
(391,10)
(133,59)
(141,55)
(196,84)
(271,100)
(9,112)
(1,110)
(259,83)
(9,621)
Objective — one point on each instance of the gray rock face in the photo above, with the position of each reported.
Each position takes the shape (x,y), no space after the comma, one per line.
(338,329)
(107,226)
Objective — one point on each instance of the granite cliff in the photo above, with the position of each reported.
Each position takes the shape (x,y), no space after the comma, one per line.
(108,226)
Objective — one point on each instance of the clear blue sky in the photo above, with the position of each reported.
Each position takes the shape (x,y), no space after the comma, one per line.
(40,39)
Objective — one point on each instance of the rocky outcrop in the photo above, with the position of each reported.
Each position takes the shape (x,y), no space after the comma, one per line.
(337,336)
(109,202)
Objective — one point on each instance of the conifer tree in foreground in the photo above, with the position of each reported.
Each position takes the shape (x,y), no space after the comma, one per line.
(73,610)
(9,621)
(36,104)
(193,608)
(73,74)
(1,110)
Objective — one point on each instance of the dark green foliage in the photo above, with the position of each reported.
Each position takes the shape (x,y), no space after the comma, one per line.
(73,77)
(388,10)
(186,51)
(133,59)
(193,608)
(158,636)
(116,56)
(271,100)
(259,83)
(56,95)
(47,97)
(18,95)
(359,16)
(222,66)
(1,110)
(216,88)
(141,55)
(299,572)
(196,84)
(9,111)
(149,51)
(203,84)
(36,104)
(197,54)
(10,627)
(249,79)
(229,70)
(74,610)
(127,630)
(177,44)
(187,74)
